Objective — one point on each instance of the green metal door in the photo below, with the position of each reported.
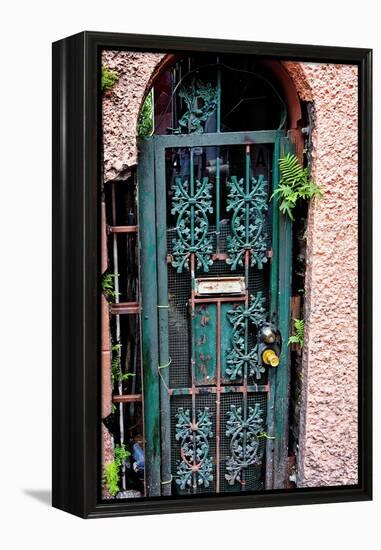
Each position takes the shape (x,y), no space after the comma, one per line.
(216,275)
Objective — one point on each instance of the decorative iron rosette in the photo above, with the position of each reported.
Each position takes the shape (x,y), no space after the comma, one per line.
(248,221)
(192,224)
(201,100)
(195,469)
(244,444)
(239,356)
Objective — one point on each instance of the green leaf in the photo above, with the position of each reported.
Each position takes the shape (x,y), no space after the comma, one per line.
(295,184)
(298,337)
(108,78)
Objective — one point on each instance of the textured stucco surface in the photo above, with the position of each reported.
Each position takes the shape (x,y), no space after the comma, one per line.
(328,438)
(121,108)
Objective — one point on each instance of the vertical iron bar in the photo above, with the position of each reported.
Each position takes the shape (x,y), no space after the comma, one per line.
(162,286)
(191,193)
(273,315)
(193,360)
(218,96)
(247,259)
(283,370)
(275,233)
(117,323)
(218,130)
(193,321)
(218,201)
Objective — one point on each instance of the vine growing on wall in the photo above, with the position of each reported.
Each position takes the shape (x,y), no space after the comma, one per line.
(108,78)
(111,476)
(108,284)
(145,122)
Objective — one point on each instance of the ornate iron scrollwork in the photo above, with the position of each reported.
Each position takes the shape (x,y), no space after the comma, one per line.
(192,206)
(239,356)
(201,100)
(248,221)
(244,445)
(195,468)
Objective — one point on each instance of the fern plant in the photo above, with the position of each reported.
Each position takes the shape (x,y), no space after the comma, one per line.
(295,184)
(108,280)
(116,370)
(298,337)
(108,78)
(121,454)
(111,477)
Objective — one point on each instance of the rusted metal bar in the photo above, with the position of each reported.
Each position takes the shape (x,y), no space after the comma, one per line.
(218,396)
(131,398)
(125,308)
(220,256)
(193,343)
(219,299)
(122,228)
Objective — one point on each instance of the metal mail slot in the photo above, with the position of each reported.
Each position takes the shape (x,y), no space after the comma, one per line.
(220,285)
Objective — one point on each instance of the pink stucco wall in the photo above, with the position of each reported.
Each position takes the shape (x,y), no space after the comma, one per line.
(328,437)
(121,108)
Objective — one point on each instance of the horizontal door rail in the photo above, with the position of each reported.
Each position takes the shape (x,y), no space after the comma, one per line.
(125,308)
(122,228)
(131,398)
(222,138)
(199,390)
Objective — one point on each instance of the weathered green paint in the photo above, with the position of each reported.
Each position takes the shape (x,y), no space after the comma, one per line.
(245,449)
(247,202)
(196,467)
(201,100)
(151,403)
(205,326)
(276,461)
(162,312)
(273,314)
(191,201)
(222,138)
(241,361)
(226,339)
(275,233)
(283,370)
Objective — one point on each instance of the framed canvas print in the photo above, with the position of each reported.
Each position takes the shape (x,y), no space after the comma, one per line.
(212,274)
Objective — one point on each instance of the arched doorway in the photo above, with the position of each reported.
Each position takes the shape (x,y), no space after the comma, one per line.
(216,277)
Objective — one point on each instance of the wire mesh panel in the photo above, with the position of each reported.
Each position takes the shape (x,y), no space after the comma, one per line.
(218,229)
(242,469)
(193,447)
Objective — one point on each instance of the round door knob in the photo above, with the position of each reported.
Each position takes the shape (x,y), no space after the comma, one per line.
(267,334)
(270,358)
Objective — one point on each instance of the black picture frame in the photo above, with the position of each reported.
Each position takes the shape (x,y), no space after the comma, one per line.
(76,287)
